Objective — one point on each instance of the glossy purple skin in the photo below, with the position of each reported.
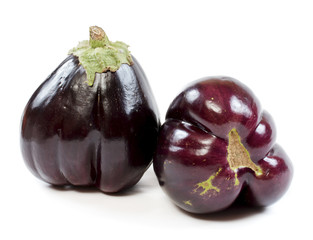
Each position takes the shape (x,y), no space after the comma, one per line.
(102,135)
(192,147)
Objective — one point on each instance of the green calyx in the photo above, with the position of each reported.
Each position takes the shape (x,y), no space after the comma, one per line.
(99,54)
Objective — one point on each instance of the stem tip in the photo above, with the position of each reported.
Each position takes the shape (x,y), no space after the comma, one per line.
(96,33)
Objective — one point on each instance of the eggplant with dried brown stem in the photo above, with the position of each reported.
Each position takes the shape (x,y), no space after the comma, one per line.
(93,121)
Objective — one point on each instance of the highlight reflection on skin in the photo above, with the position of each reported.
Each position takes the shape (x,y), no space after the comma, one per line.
(272,161)
(192,95)
(237,106)
(179,135)
(213,106)
(174,148)
(202,151)
(260,129)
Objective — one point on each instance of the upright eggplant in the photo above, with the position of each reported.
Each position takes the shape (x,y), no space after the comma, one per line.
(93,121)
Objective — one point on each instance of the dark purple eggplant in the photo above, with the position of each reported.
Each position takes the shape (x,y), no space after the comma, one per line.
(91,130)
(218,147)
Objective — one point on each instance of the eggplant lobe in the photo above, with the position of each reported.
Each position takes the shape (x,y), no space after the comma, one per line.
(102,135)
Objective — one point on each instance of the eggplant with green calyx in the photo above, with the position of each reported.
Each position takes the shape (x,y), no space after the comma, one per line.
(93,121)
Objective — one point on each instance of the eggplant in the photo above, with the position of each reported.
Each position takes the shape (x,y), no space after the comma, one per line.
(217,147)
(93,121)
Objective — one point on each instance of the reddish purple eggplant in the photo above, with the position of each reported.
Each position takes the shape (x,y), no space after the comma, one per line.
(93,121)
(217,146)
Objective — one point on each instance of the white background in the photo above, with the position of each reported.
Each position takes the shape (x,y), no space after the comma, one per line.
(268,45)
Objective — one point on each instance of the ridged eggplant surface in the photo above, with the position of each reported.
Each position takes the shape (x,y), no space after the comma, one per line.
(102,135)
